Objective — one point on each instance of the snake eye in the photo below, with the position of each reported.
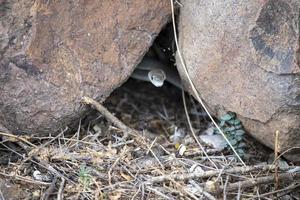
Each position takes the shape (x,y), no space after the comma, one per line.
(157,77)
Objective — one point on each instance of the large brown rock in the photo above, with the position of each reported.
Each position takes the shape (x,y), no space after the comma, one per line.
(243,56)
(54,52)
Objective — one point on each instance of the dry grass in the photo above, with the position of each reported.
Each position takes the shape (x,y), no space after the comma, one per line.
(130,155)
(97,162)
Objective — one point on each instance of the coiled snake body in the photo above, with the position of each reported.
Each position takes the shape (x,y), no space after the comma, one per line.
(156,72)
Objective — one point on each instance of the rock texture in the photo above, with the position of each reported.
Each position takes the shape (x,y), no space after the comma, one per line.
(244,56)
(54,52)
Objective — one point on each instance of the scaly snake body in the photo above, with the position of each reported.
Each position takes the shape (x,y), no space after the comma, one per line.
(156,72)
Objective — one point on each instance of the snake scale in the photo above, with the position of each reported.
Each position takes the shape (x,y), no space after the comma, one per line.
(152,70)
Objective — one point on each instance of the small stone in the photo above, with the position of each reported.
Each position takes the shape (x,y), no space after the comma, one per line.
(181,149)
(195,168)
(210,186)
(215,141)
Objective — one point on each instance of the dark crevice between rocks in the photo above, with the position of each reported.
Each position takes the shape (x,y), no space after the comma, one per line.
(142,103)
(141,98)
(162,52)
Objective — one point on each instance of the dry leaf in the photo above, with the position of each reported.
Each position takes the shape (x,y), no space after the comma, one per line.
(126,177)
(115,195)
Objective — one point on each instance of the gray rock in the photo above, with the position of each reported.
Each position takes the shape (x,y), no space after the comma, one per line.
(243,56)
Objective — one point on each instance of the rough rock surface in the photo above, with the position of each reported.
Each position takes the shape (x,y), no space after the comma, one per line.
(243,56)
(54,52)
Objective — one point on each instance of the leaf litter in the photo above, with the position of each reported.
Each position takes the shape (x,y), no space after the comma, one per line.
(160,161)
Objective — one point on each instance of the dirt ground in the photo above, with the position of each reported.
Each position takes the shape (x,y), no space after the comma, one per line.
(162,161)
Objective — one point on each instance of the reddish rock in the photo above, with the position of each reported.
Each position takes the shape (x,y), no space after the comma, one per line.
(54,52)
(244,57)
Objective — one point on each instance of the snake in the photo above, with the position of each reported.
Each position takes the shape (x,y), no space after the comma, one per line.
(152,70)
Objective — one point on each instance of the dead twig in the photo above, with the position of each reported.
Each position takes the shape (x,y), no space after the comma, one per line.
(225,186)
(122,143)
(193,132)
(24,179)
(286,151)
(61,189)
(110,117)
(258,181)
(41,163)
(186,176)
(20,138)
(288,188)
(159,193)
(202,191)
(1,195)
(50,189)
(50,168)
(38,148)
(154,155)
(115,121)
(124,150)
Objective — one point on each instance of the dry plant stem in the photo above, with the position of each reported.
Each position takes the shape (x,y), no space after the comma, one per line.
(192,130)
(281,192)
(1,195)
(18,138)
(78,132)
(258,181)
(151,145)
(290,187)
(51,169)
(110,117)
(286,151)
(183,190)
(41,163)
(122,143)
(98,190)
(24,179)
(154,155)
(38,148)
(50,189)
(158,193)
(114,120)
(200,189)
(137,192)
(53,139)
(196,93)
(276,163)
(186,176)
(61,190)
(195,108)
(124,150)
(224,189)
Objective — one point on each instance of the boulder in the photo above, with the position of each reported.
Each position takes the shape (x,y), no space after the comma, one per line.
(244,56)
(52,53)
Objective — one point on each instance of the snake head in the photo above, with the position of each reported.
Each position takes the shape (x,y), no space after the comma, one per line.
(157,77)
